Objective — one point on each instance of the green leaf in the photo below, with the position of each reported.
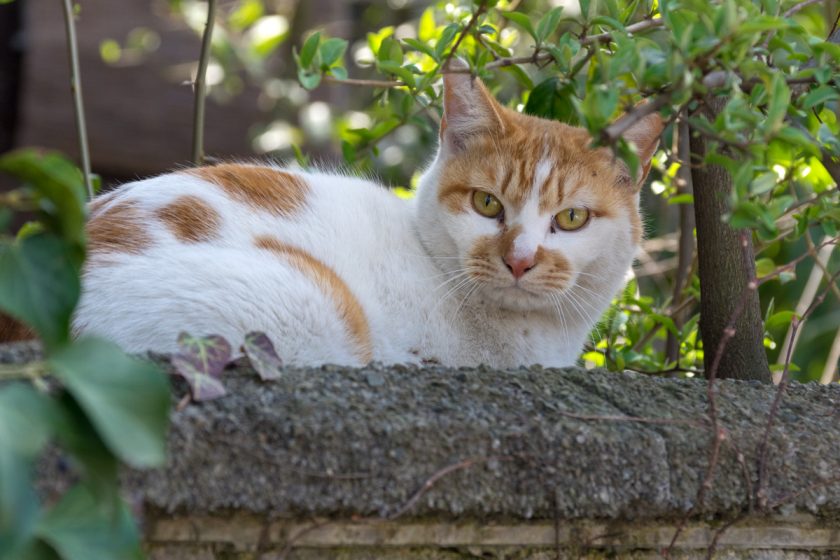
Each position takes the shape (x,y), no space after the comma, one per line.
(263,356)
(420,46)
(522,21)
(764,266)
(39,284)
(58,187)
(26,420)
(339,72)
(778,102)
(782,318)
(400,71)
(126,399)
(551,99)
(446,38)
(819,96)
(390,51)
(308,79)
(548,23)
(310,47)
(76,435)
(332,50)
(764,182)
(79,527)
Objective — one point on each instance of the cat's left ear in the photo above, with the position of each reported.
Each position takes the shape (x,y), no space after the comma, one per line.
(645,136)
(469,110)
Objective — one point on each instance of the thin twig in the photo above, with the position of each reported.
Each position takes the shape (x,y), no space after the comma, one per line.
(364,83)
(799,7)
(614,131)
(76,88)
(792,264)
(478,11)
(201,86)
(432,480)
(719,434)
(536,58)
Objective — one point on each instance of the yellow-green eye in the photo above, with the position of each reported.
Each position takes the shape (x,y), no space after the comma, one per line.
(571,219)
(486,204)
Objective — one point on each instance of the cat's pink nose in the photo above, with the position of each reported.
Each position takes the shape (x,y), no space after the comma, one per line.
(518,266)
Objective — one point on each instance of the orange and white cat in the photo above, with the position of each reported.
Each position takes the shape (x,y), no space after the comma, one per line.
(517,240)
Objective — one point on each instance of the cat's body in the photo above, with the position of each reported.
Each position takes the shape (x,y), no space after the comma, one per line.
(340,270)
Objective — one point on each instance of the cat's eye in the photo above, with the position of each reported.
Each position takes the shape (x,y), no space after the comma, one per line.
(486,204)
(572,219)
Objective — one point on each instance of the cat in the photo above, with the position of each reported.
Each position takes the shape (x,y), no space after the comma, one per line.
(518,237)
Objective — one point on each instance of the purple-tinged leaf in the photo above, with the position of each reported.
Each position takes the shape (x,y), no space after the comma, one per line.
(202,386)
(209,355)
(264,358)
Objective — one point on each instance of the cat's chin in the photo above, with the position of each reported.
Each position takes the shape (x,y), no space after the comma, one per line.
(514,298)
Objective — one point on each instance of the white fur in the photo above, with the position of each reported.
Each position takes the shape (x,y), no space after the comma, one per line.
(400,258)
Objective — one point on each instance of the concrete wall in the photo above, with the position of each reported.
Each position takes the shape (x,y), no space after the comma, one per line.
(406,462)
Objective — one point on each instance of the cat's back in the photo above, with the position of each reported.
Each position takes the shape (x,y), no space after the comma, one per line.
(235,247)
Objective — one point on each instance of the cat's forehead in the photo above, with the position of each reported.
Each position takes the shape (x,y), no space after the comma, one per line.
(539,159)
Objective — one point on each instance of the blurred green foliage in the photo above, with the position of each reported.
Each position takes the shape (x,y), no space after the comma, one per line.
(87,397)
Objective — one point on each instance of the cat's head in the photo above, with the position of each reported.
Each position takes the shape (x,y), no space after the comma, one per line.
(523,209)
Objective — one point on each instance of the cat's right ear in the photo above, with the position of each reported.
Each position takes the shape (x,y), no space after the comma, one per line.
(468,108)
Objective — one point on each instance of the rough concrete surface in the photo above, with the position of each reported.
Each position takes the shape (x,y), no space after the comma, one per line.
(484,447)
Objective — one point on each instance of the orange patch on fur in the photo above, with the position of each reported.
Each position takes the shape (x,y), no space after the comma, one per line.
(12,330)
(190,219)
(98,203)
(348,307)
(119,229)
(264,188)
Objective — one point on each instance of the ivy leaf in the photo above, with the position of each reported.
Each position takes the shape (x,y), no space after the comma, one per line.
(202,386)
(263,356)
(74,527)
(126,400)
(209,355)
(201,362)
(39,284)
